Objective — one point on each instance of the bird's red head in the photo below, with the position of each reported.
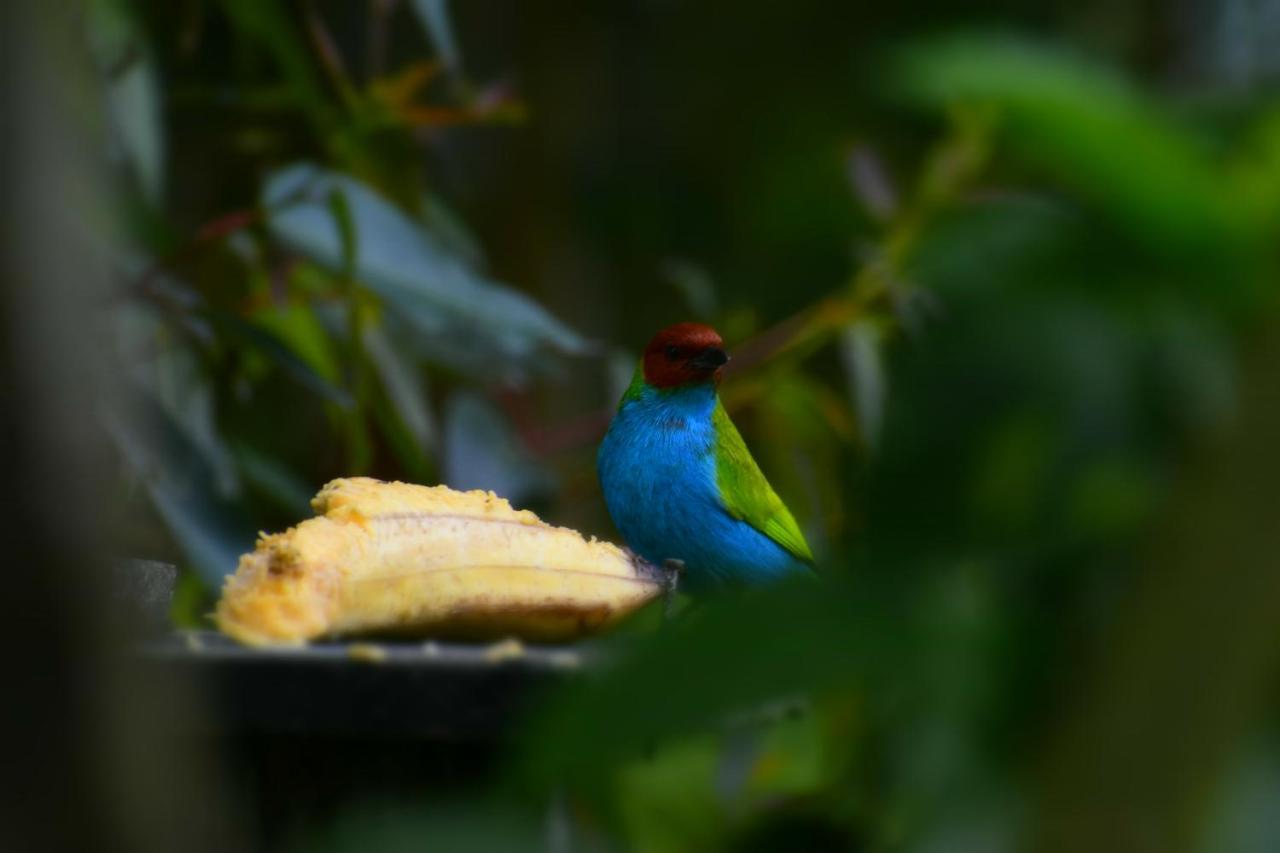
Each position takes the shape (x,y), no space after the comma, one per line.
(684,354)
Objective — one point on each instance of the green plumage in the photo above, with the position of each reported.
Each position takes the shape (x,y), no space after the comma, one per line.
(746,493)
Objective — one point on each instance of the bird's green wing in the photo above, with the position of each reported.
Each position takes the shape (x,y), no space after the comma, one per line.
(745,492)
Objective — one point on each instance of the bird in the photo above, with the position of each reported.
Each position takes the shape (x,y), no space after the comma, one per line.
(679,481)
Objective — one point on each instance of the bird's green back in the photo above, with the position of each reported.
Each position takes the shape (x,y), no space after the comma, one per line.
(746,493)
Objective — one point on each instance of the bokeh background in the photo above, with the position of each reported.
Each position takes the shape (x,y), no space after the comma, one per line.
(1000,279)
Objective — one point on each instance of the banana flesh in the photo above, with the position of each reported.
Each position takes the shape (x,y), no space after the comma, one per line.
(395,558)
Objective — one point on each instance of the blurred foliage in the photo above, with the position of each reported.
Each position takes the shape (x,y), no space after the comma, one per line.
(1002,308)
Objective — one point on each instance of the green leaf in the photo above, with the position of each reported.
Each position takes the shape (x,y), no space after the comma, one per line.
(401,411)
(1254,173)
(403,384)
(443,221)
(392,826)
(458,315)
(346,231)
(794,640)
(668,800)
(288,490)
(132,92)
(279,353)
(298,327)
(210,528)
(270,26)
(1088,127)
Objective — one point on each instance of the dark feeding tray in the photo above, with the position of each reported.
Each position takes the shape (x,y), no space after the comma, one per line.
(301,735)
(431,690)
(304,735)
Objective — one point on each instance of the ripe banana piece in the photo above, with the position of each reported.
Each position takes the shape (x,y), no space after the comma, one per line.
(428,561)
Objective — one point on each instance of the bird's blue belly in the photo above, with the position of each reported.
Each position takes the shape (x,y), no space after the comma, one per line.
(657,470)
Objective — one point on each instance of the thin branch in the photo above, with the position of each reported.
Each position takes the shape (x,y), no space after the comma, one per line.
(376,37)
(327,54)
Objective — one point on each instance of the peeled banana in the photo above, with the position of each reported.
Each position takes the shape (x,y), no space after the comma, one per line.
(395,558)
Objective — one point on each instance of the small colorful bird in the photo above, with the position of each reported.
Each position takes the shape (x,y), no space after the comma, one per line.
(678,478)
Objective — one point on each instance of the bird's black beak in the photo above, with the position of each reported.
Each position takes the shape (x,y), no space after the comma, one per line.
(710,358)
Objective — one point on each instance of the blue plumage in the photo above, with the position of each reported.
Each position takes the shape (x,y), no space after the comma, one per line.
(657,467)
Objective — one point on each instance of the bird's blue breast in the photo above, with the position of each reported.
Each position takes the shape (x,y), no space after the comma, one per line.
(658,471)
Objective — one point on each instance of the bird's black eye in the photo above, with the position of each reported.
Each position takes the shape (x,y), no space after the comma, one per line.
(673,352)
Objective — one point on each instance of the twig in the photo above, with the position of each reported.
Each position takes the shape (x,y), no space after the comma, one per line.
(376,37)
(326,51)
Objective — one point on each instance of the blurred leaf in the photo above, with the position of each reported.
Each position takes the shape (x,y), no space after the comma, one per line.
(792,756)
(1090,129)
(1188,668)
(999,241)
(1012,469)
(481,451)
(402,412)
(133,92)
(729,658)
(434,17)
(279,353)
(191,602)
(392,827)
(174,379)
(1111,496)
(860,350)
(211,530)
(212,535)
(350,248)
(668,800)
(416,273)
(441,220)
(1254,172)
(978,819)
(413,458)
(298,327)
(1192,362)
(404,385)
(269,25)
(270,476)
